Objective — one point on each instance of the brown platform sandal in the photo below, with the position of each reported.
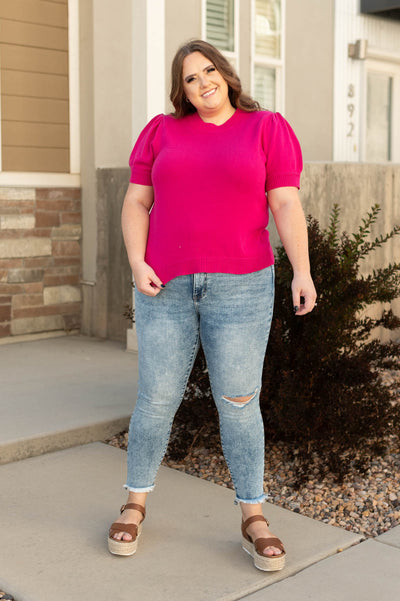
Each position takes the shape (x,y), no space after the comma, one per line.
(267,563)
(125,547)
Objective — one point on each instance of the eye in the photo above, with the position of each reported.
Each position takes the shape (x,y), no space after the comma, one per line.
(189,79)
(210,69)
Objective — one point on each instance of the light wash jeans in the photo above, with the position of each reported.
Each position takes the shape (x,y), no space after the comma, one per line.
(231,315)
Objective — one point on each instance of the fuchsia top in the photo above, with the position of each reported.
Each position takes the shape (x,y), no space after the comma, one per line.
(210,181)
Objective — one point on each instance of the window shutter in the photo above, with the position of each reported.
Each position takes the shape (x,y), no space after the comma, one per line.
(264,87)
(268,28)
(220,24)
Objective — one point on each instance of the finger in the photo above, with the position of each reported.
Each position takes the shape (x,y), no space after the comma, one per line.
(155,280)
(296,300)
(307,306)
(149,289)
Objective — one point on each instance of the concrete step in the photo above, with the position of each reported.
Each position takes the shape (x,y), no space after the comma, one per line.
(61,392)
(56,510)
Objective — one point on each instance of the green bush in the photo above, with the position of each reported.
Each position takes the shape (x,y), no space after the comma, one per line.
(322,384)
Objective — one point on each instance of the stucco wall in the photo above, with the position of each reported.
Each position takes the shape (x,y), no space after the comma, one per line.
(309,75)
(355,188)
(106,82)
(188,14)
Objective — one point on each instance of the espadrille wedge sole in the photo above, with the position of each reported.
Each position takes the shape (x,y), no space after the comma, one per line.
(266,563)
(124,547)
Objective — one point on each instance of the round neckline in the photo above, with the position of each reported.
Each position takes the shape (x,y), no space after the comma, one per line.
(222,125)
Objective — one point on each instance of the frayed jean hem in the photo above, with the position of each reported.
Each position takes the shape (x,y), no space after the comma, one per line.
(136,489)
(251,501)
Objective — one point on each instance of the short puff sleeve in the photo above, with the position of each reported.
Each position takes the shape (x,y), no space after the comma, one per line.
(284,161)
(144,152)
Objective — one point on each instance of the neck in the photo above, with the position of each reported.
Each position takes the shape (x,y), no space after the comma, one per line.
(218,118)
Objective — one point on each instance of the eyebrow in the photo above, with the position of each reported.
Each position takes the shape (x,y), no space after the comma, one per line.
(205,69)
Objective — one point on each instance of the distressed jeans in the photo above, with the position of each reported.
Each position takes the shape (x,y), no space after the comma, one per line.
(231,315)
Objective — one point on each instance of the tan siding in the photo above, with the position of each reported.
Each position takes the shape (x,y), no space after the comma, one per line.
(35,60)
(19,133)
(37,36)
(15,108)
(52,160)
(34,11)
(34,85)
(22,83)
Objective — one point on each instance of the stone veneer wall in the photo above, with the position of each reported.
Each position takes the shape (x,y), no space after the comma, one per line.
(40,260)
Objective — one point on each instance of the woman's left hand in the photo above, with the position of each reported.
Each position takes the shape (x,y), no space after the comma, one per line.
(303,286)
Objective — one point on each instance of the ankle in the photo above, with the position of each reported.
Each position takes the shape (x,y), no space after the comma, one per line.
(250,509)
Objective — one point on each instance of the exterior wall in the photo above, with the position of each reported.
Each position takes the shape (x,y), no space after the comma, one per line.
(188,14)
(309,75)
(355,187)
(34,86)
(383,38)
(245,45)
(113,267)
(40,260)
(106,82)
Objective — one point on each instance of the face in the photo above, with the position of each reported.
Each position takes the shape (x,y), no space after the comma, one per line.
(204,86)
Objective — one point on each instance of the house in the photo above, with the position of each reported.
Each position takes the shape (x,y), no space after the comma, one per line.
(80,78)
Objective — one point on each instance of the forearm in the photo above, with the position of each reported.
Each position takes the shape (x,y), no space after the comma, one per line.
(135,220)
(292,229)
(135,229)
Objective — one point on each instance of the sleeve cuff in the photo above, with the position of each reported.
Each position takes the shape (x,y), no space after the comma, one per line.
(141,177)
(283,180)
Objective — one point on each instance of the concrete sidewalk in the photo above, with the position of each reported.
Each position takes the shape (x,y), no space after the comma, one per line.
(59,392)
(55,508)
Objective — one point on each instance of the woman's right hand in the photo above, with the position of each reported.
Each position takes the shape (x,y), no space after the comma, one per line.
(146,280)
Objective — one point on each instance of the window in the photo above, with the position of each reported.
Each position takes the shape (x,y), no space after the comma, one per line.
(267,53)
(379,117)
(220,26)
(381,121)
(263,74)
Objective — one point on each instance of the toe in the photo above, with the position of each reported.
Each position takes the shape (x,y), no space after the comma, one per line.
(122,536)
(271,551)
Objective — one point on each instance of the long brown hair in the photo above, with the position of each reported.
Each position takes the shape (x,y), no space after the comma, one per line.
(236,96)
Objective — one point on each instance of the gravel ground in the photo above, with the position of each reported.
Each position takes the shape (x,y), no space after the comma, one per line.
(367,505)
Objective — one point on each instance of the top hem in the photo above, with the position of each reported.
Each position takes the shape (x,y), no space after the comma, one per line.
(237,266)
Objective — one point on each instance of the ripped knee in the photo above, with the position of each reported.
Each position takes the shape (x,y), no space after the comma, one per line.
(240,401)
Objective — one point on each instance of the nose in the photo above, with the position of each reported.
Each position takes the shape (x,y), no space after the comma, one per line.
(203,79)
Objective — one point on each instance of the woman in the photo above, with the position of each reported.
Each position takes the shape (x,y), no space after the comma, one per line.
(203,270)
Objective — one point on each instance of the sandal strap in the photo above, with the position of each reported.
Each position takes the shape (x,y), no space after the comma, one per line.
(116,527)
(134,506)
(262,543)
(250,520)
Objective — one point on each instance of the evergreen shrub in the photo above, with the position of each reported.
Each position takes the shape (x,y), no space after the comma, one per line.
(322,383)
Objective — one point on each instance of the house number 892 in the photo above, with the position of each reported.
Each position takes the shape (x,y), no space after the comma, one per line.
(350,110)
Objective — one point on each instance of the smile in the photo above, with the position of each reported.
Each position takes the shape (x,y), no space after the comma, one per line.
(210,93)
